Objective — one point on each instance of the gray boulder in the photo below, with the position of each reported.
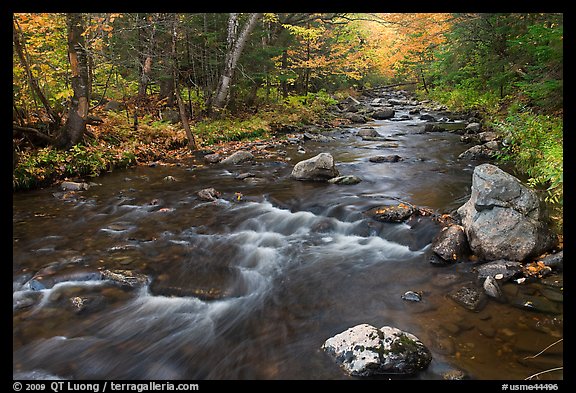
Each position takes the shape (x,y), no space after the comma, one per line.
(238,157)
(501,268)
(365,350)
(355,117)
(383,113)
(318,168)
(503,218)
(473,128)
(479,152)
(367,132)
(73,186)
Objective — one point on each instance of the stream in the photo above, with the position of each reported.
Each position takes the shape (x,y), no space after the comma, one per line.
(251,285)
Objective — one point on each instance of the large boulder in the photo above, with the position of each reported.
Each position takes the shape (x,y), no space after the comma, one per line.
(365,350)
(503,219)
(318,168)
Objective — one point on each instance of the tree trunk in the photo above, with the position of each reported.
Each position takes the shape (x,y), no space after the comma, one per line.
(75,126)
(147,48)
(284,67)
(236,45)
(20,47)
(181,108)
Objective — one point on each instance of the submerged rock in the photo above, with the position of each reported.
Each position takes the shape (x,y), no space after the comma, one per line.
(390,158)
(470,297)
(345,180)
(393,213)
(365,350)
(125,278)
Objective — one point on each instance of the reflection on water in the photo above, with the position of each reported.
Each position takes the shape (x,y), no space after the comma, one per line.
(251,285)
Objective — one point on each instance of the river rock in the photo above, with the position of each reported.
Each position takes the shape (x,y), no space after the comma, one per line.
(365,350)
(318,168)
(383,113)
(411,296)
(431,127)
(212,158)
(238,158)
(427,117)
(125,278)
(485,151)
(453,375)
(451,244)
(355,117)
(506,269)
(492,288)
(469,296)
(345,180)
(392,213)
(367,132)
(73,186)
(555,261)
(472,128)
(208,194)
(503,219)
(349,104)
(390,158)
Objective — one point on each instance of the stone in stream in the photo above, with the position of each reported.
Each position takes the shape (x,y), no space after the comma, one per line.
(365,350)
(508,269)
(390,158)
(450,245)
(383,113)
(345,180)
(481,152)
(318,168)
(126,278)
(208,194)
(492,289)
(238,158)
(212,158)
(554,261)
(367,132)
(469,296)
(503,218)
(472,128)
(73,186)
(393,213)
(412,296)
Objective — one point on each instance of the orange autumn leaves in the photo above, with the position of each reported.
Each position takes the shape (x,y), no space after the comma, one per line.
(394,38)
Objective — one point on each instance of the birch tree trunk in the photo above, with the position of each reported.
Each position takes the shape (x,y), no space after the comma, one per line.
(75,126)
(236,44)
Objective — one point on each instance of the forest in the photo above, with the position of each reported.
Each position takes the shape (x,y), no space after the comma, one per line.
(93,92)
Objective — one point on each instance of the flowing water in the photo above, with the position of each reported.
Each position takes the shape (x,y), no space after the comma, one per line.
(250,286)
